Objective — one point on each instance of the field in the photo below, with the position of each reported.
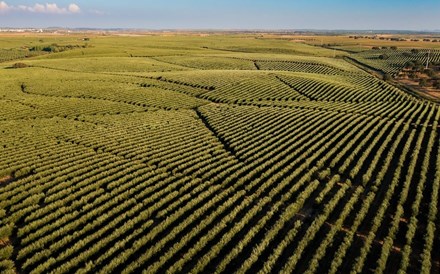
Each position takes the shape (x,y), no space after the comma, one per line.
(214,154)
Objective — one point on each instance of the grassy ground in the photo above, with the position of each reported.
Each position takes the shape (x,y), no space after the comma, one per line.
(187,153)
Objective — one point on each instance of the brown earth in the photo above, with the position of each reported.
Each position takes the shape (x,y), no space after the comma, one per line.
(5,179)
(426,91)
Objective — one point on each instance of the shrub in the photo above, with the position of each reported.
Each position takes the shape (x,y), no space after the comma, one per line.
(412,75)
(19,65)
(386,77)
(6,252)
(417,63)
(6,230)
(52,48)
(409,64)
(429,72)
(423,82)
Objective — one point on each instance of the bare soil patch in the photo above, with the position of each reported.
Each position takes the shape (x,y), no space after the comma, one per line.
(5,179)
(427,91)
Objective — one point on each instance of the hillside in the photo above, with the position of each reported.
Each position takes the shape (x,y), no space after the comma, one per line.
(213,154)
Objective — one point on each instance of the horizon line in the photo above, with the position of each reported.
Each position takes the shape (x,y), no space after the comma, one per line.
(222,29)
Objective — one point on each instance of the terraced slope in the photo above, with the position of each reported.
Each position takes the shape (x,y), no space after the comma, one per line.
(396,58)
(214,159)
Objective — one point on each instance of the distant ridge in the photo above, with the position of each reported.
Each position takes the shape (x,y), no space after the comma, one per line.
(281,31)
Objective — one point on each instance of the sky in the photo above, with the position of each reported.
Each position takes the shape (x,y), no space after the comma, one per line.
(223,14)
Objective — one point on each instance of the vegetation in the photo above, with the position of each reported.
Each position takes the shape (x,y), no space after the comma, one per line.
(19,65)
(56,48)
(216,154)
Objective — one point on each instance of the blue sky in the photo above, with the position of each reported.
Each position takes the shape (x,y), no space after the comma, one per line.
(223,14)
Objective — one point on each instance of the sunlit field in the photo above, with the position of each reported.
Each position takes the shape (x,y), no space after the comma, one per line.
(220,153)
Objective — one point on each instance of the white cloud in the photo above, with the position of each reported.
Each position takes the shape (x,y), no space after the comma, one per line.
(37,8)
(74,8)
(4,7)
(53,8)
(40,8)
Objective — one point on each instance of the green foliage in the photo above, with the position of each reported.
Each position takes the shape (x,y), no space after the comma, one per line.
(429,72)
(54,48)
(222,153)
(409,64)
(384,56)
(19,65)
(6,230)
(393,61)
(7,267)
(6,252)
